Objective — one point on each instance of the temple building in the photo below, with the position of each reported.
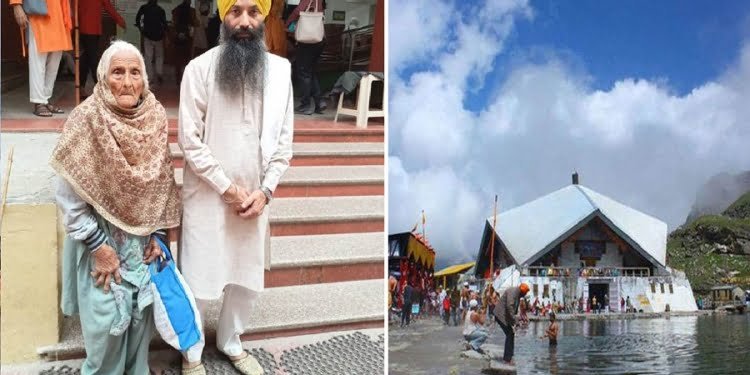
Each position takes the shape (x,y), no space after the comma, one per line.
(411,259)
(575,244)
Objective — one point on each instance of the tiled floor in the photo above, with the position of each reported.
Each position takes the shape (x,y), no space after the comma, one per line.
(15,106)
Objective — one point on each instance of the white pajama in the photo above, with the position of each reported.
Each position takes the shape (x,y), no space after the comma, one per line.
(42,72)
(235,315)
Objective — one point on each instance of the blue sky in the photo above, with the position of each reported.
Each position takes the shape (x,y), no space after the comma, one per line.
(645,99)
(682,43)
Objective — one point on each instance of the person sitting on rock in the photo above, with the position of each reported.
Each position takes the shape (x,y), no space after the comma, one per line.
(474,331)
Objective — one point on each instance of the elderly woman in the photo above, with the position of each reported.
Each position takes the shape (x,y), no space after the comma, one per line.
(117,195)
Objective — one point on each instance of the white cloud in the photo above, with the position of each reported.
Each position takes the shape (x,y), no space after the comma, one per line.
(432,126)
(446,199)
(637,142)
(416,30)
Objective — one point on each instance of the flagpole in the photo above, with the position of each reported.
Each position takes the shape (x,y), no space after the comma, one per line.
(492,243)
(424,232)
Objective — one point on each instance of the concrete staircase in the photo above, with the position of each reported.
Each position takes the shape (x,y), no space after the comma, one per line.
(327,244)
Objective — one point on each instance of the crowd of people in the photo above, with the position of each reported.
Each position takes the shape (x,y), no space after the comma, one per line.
(474,310)
(189,33)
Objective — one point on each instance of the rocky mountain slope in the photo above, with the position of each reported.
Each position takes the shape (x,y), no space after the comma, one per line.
(718,193)
(714,249)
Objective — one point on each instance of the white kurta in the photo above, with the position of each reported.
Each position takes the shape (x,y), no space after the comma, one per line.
(246,140)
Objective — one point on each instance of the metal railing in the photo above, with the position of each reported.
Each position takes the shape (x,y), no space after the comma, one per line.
(585,271)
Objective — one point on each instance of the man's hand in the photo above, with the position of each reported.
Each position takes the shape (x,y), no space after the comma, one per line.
(106,265)
(151,252)
(234,197)
(253,206)
(20,16)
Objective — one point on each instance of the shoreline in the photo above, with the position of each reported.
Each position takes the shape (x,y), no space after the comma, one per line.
(615,316)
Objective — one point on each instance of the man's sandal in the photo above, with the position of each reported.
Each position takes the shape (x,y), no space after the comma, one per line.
(248,365)
(41,110)
(54,109)
(197,370)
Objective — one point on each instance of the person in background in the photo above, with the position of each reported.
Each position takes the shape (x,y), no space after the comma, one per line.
(48,36)
(606,303)
(552,330)
(464,302)
(523,306)
(200,39)
(594,305)
(446,308)
(505,315)
(474,332)
(184,19)
(406,309)
(306,62)
(487,300)
(440,292)
(151,20)
(90,29)
(276,29)
(213,30)
(455,301)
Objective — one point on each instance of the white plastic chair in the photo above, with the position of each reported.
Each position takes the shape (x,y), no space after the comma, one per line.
(363,111)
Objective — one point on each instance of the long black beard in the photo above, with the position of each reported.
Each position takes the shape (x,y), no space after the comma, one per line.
(242,62)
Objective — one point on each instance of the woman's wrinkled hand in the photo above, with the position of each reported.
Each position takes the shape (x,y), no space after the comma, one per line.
(106,266)
(152,251)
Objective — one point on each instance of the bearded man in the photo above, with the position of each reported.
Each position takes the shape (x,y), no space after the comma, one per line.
(235,129)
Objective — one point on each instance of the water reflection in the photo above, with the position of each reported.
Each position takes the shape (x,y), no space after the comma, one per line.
(680,345)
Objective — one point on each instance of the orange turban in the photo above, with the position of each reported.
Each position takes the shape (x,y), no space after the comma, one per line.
(524,288)
(264,6)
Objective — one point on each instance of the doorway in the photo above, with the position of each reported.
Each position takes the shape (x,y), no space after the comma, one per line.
(598,290)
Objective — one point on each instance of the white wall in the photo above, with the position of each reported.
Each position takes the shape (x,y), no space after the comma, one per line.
(361,9)
(639,290)
(540,281)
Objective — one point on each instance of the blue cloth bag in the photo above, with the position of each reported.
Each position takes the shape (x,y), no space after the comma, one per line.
(175,314)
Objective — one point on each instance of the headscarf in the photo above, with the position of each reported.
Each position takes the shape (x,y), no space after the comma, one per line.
(118,161)
(264,6)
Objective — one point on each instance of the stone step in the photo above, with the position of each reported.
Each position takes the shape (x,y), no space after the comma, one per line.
(319,131)
(327,258)
(327,215)
(305,131)
(320,154)
(283,311)
(323,215)
(325,181)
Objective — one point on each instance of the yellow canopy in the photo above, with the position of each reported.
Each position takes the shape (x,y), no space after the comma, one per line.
(454,269)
